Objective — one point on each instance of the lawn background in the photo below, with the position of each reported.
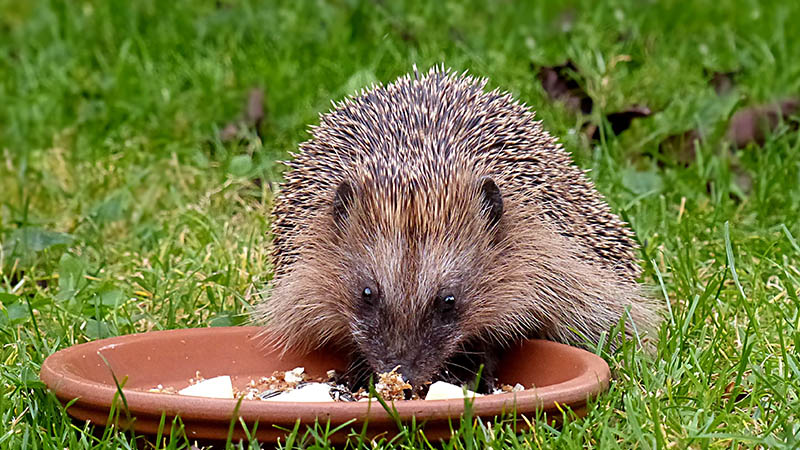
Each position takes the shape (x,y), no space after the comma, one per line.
(122,210)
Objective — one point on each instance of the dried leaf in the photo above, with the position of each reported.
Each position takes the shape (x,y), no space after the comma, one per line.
(255,107)
(729,389)
(561,84)
(752,124)
(619,121)
(251,117)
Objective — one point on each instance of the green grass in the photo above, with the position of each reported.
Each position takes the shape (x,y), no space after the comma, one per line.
(122,211)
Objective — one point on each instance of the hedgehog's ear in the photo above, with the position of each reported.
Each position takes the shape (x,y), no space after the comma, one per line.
(492,200)
(342,201)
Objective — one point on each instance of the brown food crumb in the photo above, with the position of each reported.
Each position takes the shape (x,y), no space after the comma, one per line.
(390,385)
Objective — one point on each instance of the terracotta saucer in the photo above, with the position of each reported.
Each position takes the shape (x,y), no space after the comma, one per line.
(564,377)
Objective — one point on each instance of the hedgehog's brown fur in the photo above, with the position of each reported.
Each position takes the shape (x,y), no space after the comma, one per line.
(408,164)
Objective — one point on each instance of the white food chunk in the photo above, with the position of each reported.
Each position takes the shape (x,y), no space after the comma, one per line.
(312,392)
(217,387)
(295,375)
(443,391)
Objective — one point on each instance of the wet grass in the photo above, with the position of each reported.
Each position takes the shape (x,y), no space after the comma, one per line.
(122,210)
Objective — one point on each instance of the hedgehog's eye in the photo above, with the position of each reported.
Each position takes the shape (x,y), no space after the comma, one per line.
(369,294)
(447,302)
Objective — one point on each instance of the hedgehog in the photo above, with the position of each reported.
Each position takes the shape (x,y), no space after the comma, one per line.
(429,224)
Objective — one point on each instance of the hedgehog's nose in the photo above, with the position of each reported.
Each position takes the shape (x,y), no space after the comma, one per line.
(407,376)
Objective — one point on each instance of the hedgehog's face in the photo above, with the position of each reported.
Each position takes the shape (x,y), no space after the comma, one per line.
(410,288)
(391,331)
